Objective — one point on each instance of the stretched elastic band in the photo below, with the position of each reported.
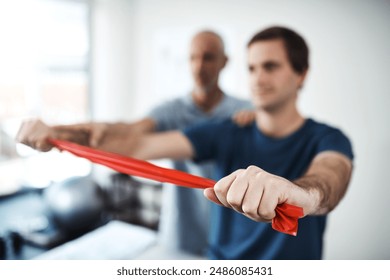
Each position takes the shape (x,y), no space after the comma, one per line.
(286,219)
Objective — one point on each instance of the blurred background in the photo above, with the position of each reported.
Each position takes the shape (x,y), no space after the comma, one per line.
(69,61)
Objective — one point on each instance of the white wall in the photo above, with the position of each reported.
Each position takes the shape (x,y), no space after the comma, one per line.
(135,68)
(112,56)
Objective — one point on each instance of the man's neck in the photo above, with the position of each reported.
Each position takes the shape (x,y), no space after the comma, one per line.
(279,123)
(207,100)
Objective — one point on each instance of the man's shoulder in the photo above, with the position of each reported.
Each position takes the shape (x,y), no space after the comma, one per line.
(329,137)
(224,123)
(176,102)
(215,126)
(321,127)
(171,108)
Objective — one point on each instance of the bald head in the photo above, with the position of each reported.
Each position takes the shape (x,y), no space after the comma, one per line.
(210,38)
(207,58)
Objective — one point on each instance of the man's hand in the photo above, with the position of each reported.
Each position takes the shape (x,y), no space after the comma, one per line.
(96,131)
(35,133)
(256,193)
(244,117)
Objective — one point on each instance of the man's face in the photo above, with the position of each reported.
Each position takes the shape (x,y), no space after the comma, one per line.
(273,82)
(207,60)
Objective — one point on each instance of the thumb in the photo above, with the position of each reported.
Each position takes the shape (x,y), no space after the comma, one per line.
(96,136)
(94,139)
(210,195)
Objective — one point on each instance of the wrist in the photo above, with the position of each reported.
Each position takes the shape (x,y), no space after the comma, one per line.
(307,198)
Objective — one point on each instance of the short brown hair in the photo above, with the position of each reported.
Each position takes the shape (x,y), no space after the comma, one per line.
(296,47)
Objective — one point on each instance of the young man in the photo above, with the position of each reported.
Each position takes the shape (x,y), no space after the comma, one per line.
(281,158)
(185,212)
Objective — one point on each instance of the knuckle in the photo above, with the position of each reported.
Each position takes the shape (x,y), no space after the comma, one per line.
(251,211)
(266,214)
(233,201)
(240,171)
(261,175)
(219,188)
(252,168)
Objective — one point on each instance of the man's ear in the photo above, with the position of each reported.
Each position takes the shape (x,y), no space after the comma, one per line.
(302,78)
(225,60)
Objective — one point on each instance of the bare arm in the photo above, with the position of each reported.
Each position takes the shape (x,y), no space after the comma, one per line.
(171,144)
(256,193)
(125,139)
(100,132)
(327,178)
(111,137)
(119,137)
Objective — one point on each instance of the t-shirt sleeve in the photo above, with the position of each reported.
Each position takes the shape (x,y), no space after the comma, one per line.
(203,137)
(336,141)
(163,116)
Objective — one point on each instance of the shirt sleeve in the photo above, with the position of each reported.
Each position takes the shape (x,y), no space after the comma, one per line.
(336,141)
(163,116)
(203,137)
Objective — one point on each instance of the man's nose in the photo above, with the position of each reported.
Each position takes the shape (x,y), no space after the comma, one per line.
(199,65)
(260,77)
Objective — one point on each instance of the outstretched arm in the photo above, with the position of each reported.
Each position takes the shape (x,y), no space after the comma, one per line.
(111,137)
(256,193)
(135,143)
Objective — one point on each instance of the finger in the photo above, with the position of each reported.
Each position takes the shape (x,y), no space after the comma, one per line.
(254,192)
(252,198)
(268,203)
(97,134)
(248,117)
(26,133)
(209,193)
(20,136)
(95,138)
(222,186)
(238,118)
(36,134)
(273,195)
(43,145)
(91,131)
(39,140)
(237,190)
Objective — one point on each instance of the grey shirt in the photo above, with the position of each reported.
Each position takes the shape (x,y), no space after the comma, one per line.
(185,212)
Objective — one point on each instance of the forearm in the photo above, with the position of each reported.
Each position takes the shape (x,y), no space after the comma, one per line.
(65,133)
(121,129)
(171,144)
(326,182)
(122,138)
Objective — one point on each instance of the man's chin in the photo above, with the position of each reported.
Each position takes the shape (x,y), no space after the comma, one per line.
(264,106)
(202,87)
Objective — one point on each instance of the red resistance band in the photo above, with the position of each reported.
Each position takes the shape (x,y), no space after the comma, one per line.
(286,219)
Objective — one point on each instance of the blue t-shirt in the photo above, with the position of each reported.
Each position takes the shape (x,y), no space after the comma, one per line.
(234,236)
(185,212)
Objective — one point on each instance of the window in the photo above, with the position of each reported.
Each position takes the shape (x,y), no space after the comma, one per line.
(44,54)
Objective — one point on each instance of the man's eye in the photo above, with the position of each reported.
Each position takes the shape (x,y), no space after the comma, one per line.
(270,66)
(209,57)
